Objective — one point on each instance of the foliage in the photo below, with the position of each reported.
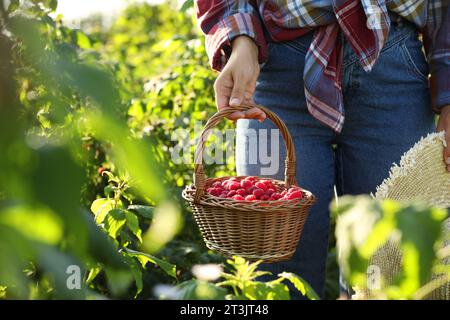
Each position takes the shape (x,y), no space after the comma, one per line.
(364,225)
(55,97)
(242,284)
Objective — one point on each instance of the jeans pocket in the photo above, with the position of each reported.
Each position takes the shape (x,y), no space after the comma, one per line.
(411,49)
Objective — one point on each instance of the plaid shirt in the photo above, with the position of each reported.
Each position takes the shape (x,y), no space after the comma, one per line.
(364,23)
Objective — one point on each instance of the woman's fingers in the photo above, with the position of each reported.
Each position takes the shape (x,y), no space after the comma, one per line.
(447,148)
(239,90)
(255,113)
(222,89)
(444,124)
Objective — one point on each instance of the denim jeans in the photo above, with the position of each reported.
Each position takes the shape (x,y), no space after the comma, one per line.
(386,112)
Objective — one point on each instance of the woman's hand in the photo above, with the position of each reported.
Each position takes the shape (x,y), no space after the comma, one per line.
(444,124)
(236,83)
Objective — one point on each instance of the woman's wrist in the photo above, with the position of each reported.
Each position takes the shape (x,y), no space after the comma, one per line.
(244,44)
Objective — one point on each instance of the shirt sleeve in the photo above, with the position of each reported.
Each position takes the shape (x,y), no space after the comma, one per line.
(222,21)
(437,45)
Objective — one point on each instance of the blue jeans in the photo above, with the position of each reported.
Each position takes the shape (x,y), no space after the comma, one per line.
(386,112)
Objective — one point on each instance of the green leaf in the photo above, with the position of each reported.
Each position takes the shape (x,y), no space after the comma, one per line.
(35,223)
(13,5)
(137,274)
(119,281)
(266,291)
(135,270)
(186,5)
(200,290)
(133,224)
(3,292)
(144,211)
(101,207)
(82,40)
(114,222)
(301,285)
(93,273)
(102,248)
(144,258)
(53,4)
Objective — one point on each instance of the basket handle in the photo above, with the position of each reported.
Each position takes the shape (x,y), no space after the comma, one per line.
(199,173)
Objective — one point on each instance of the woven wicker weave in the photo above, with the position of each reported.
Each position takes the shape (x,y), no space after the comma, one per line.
(422,176)
(255,230)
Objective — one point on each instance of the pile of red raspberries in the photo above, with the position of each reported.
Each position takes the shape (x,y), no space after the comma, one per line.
(252,189)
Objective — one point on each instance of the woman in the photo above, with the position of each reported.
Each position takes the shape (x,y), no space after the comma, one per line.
(350,80)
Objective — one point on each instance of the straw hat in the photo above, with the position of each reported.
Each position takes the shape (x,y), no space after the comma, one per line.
(421,175)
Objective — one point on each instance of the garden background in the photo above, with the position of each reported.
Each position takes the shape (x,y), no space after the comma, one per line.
(89,119)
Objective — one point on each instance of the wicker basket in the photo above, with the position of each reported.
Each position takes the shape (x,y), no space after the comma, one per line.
(255,230)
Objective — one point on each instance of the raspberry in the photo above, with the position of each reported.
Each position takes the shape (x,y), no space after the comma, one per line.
(238,198)
(217,184)
(234,185)
(267,183)
(264,197)
(250,197)
(292,189)
(250,190)
(224,194)
(270,191)
(241,192)
(294,195)
(258,192)
(246,184)
(261,185)
(231,193)
(275,196)
(283,193)
(214,191)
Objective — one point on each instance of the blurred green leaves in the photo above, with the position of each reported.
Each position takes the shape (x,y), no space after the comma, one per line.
(166,224)
(364,227)
(13,5)
(42,174)
(38,224)
(200,290)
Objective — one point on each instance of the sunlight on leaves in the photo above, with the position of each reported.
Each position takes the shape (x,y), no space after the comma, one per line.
(35,223)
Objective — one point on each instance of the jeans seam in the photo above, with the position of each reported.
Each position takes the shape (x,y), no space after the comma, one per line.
(410,62)
(289,45)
